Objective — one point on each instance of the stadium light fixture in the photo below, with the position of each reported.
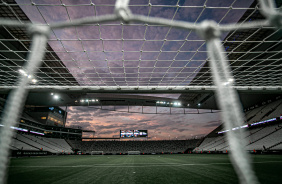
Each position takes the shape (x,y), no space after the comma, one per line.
(56,97)
(177,103)
(89,100)
(199,104)
(22,72)
(230,80)
(34,80)
(52,94)
(28,76)
(225,83)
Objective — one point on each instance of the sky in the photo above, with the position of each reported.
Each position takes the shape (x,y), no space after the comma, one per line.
(160,126)
(112,54)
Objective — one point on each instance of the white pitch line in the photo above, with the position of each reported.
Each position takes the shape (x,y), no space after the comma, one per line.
(146,165)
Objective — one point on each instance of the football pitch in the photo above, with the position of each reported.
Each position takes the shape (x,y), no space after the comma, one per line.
(164,169)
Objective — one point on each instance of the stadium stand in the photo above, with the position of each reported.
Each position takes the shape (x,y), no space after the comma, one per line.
(19,145)
(265,137)
(34,143)
(278,146)
(265,112)
(116,147)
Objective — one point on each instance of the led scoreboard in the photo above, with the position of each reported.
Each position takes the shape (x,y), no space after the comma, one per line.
(133,133)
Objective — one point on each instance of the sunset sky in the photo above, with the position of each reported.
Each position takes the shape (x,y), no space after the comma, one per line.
(108,123)
(93,55)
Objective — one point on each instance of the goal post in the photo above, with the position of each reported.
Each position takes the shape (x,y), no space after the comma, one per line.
(97,153)
(133,152)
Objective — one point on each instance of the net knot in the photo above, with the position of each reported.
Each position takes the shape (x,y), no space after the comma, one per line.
(43,30)
(208,30)
(122,11)
(275,19)
(269,11)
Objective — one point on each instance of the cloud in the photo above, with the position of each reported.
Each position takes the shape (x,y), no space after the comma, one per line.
(84,125)
(161,126)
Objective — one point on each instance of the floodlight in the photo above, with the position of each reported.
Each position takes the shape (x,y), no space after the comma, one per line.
(52,93)
(225,83)
(21,71)
(56,97)
(34,80)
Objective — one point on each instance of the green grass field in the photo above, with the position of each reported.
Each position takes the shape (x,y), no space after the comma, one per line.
(144,169)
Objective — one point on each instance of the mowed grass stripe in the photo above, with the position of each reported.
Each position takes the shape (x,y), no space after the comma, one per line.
(141,165)
(137,169)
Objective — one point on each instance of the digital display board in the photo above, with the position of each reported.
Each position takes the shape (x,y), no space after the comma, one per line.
(133,133)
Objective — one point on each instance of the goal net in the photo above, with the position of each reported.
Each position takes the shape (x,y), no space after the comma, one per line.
(97,153)
(210,33)
(133,152)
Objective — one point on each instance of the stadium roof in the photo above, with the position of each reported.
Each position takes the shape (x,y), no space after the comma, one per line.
(139,58)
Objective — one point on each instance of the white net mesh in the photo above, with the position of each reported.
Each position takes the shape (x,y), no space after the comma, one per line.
(162,73)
